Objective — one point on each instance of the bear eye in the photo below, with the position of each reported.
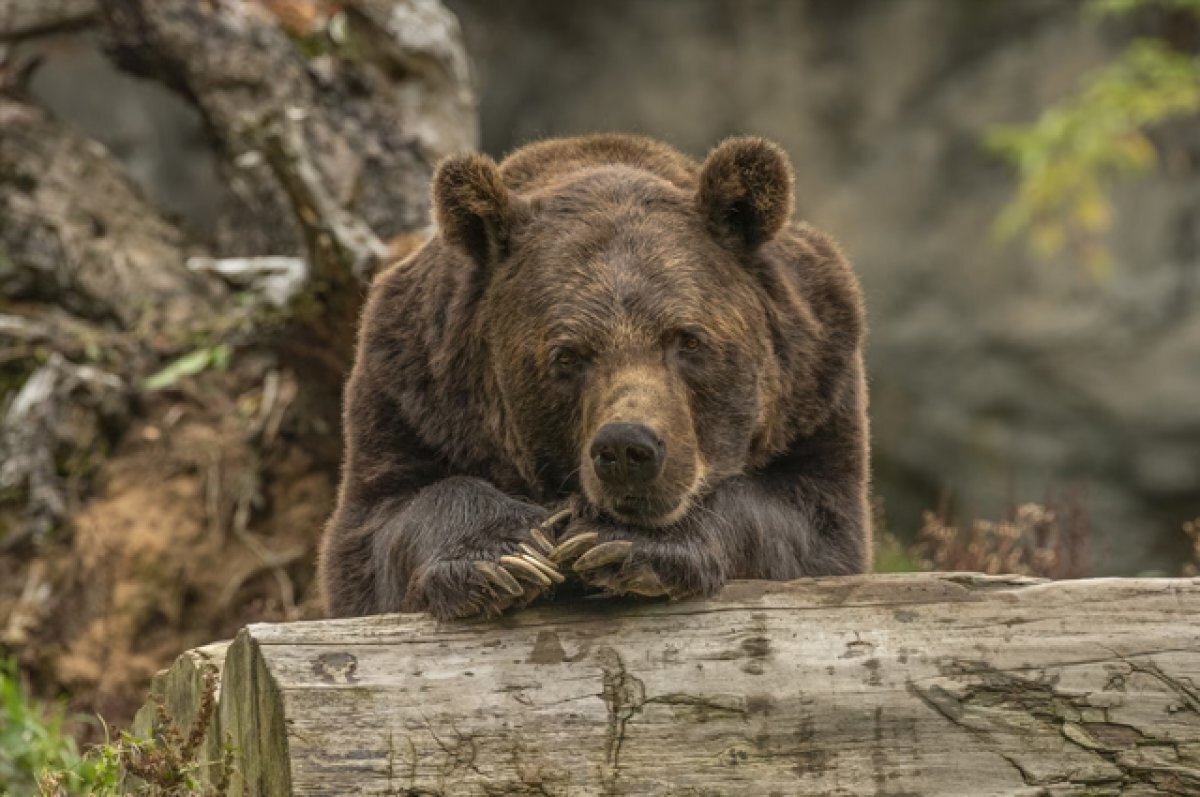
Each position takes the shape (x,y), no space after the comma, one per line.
(565,360)
(689,343)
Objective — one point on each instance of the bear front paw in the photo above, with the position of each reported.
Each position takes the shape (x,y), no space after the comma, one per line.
(638,567)
(468,587)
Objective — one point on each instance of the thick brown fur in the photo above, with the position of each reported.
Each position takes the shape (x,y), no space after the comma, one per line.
(590,281)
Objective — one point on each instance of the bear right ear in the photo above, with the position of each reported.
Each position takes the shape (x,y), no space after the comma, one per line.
(745,192)
(473,208)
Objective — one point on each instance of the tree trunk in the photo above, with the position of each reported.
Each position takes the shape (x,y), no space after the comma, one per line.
(930,684)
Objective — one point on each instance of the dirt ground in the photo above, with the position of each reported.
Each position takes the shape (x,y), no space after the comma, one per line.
(205,517)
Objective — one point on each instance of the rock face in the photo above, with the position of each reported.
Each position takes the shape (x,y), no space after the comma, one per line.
(995,378)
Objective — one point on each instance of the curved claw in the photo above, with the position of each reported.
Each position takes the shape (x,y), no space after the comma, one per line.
(533,553)
(543,533)
(544,564)
(477,603)
(541,540)
(500,578)
(606,553)
(644,582)
(573,547)
(524,568)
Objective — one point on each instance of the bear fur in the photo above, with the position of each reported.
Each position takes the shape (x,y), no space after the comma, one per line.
(580,283)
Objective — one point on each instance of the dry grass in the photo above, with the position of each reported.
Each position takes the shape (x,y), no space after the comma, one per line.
(1050,540)
(169,765)
(1192,530)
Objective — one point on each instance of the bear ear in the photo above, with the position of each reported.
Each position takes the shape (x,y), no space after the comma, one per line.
(472,207)
(745,192)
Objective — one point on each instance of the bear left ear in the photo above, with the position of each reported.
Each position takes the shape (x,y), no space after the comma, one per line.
(473,208)
(745,192)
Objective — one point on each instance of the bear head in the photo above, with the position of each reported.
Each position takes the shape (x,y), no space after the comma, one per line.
(642,342)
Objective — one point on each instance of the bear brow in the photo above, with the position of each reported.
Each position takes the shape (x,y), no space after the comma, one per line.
(577,325)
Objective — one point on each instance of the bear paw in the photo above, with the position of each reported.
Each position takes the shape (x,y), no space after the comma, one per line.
(650,569)
(459,588)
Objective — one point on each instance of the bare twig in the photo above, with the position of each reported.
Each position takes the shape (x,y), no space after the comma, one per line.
(279,391)
(212,498)
(338,242)
(276,562)
(31,607)
(23,18)
(276,280)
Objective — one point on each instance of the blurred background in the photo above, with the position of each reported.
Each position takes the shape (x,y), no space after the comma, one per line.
(195,193)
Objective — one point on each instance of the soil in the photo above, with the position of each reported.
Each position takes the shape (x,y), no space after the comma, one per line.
(205,518)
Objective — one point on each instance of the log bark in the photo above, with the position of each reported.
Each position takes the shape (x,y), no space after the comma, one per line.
(929,684)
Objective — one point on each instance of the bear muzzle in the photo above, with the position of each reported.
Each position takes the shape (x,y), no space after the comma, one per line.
(640,464)
(629,474)
(627,456)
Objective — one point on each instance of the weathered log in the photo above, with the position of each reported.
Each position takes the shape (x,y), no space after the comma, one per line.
(925,684)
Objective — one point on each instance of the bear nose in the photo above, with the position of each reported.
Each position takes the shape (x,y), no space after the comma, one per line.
(627,454)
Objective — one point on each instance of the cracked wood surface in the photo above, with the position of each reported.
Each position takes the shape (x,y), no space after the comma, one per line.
(922,684)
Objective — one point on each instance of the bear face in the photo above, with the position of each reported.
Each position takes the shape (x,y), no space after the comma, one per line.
(625,322)
(617,308)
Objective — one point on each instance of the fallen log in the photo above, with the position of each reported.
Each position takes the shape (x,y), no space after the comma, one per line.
(923,684)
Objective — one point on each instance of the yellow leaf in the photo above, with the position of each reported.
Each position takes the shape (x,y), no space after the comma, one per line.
(1098,262)
(1093,213)
(1047,238)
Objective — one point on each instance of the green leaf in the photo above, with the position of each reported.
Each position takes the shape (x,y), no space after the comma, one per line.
(1069,158)
(189,365)
(1116,7)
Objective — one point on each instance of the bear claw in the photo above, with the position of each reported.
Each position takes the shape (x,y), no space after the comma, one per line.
(644,582)
(543,563)
(500,578)
(532,553)
(606,553)
(641,581)
(573,547)
(523,567)
(556,518)
(541,540)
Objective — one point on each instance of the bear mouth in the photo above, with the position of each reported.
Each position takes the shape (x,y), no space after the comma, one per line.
(643,510)
(639,505)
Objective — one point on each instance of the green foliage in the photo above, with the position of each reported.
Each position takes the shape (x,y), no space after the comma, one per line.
(189,365)
(38,757)
(33,742)
(1101,7)
(1069,158)
(891,556)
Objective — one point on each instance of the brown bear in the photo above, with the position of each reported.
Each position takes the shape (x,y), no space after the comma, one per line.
(600,324)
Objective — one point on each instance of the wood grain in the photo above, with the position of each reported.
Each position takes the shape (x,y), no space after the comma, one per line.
(924,684)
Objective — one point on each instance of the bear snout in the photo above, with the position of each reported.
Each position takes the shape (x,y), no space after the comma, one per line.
(638,460)
(627,456)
